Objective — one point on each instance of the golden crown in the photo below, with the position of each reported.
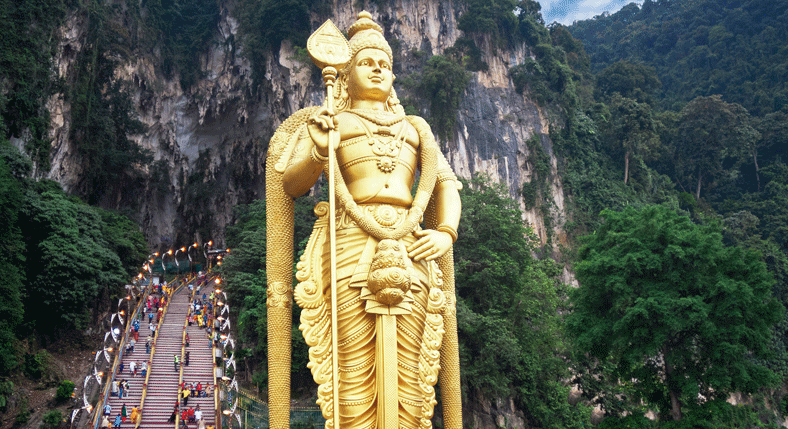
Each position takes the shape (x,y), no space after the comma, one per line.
(366,33)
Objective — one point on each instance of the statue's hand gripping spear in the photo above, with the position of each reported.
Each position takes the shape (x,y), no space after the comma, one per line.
(330,51)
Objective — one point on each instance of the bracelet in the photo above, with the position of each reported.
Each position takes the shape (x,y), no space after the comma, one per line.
(448,230)
(318,158)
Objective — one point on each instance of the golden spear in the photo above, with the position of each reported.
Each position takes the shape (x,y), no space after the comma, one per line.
(330,51)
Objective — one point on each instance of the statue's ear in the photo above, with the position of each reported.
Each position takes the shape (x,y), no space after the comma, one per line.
(341,95)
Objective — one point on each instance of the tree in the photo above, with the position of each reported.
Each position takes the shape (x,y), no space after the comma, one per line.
(70,266)
(443,83)
(774,139)
(635,81)
(494,17)
(103,114)
(677,312)
(709,131)
(508,310)
(11,248)
(124,238)
(244,272)
(634,127)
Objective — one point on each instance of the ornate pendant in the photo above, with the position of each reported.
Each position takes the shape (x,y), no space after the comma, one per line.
(387,150)
(386,164)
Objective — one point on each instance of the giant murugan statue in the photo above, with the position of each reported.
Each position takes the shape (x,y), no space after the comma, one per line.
(376,287)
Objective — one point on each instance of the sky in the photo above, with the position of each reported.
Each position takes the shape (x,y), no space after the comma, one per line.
(568,11)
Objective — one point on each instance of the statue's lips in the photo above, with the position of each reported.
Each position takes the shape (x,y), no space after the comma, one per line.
(376,79)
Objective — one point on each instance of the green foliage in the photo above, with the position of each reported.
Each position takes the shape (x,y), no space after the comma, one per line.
(637,421)
(576,56)
(530,75)
(725,164)
(26,50)
(494,17)
(244,271)
(182,29)
(677,312)
(506,21)
(508,310)
(532,30)
(11,258)
(265,24)
(592,178)
(635,81)
(125,239)
(711,131)
(54,261)
(6,389)
(633,130)
(65,245)
(36,364)
(529,194)
(52,419)
(559,64)
(196,215)
(467,53)
(24,414)
(716,414)
(102,112)
(700,48)
(64,390)
(443,81)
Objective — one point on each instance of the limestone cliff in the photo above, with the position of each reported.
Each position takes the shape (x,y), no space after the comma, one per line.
(216,132)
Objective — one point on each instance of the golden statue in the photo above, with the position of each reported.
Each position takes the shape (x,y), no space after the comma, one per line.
(377,358)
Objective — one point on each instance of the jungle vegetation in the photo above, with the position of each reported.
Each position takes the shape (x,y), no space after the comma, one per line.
(669,116)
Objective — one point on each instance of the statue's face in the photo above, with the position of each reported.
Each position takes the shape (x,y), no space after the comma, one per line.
(370,76)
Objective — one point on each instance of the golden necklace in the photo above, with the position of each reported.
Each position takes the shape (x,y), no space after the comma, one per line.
(379,117)
(384,145)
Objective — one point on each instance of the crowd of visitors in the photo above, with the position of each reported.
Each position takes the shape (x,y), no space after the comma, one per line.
(152,310)
(188,416)
(201,314)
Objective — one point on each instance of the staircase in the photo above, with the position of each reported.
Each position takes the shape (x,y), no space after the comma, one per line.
(164,379)
(162,392)
(131,396)
(200,369)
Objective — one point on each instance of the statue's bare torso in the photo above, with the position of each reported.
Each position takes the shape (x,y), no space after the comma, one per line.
(359,164)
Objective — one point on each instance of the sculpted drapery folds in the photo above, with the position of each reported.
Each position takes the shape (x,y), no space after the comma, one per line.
(395,319)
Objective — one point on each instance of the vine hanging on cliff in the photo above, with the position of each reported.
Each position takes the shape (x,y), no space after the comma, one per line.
(102,113)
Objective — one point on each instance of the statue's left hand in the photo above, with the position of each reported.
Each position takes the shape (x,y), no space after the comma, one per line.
(431,245)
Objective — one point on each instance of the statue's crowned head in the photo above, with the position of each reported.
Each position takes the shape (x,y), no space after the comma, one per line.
(365,34)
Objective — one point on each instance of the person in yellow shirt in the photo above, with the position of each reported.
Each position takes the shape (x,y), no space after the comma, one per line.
(185,394)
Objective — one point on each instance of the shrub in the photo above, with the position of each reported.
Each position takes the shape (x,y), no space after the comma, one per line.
(64,390)
(34,365)
(443,82)
(53,419)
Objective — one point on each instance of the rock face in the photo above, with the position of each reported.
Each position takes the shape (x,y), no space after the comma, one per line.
(209,142)
(215,134)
